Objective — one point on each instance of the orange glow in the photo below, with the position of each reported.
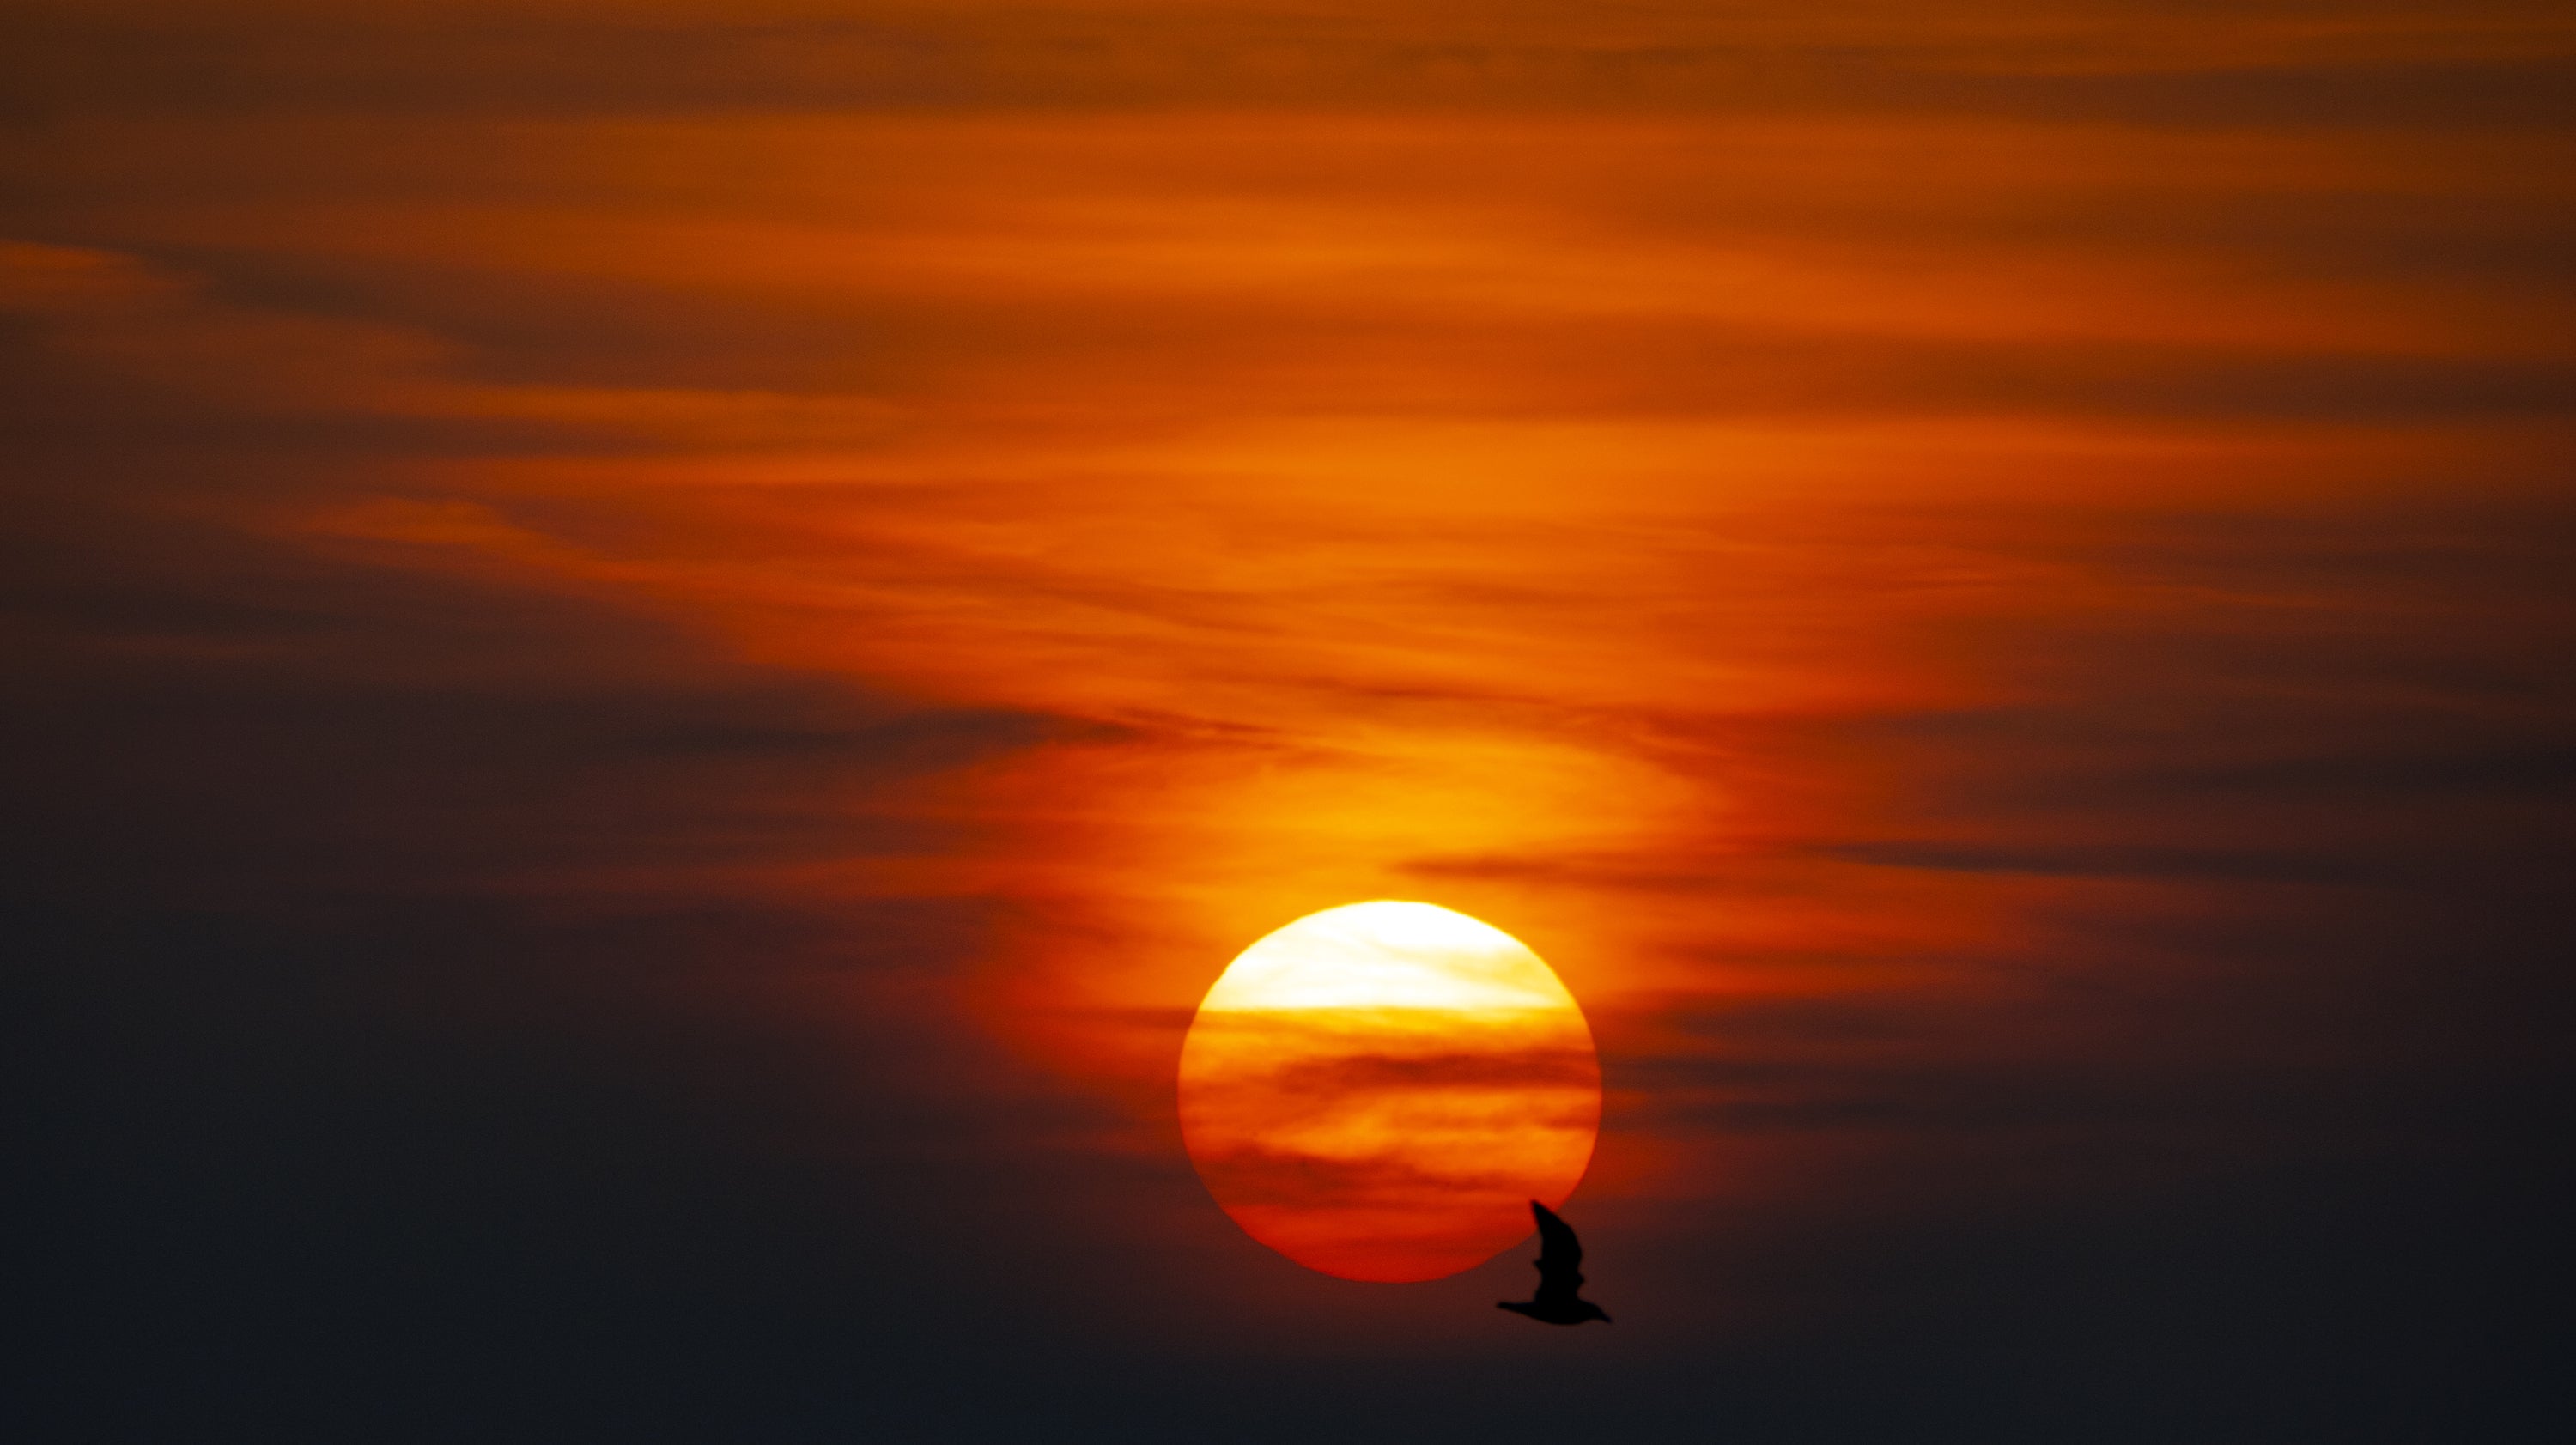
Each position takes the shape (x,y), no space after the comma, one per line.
(1803,567)
(1376,1091)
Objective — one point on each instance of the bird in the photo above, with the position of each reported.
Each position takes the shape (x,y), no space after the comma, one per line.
(1560,1276)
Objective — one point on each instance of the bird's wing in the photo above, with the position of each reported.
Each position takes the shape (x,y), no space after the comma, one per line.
(1557,1246)
(1560,1254)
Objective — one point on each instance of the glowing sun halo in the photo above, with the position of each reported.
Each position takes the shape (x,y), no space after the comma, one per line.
(1377,1091)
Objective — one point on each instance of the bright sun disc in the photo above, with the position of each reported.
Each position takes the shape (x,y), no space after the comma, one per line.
(1377,1091)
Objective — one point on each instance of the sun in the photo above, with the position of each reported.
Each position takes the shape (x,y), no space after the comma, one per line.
(1377,1091)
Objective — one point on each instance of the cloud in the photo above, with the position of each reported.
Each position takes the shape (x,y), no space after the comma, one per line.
(2367,64)
(1360,1073)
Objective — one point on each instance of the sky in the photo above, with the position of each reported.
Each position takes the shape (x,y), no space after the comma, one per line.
(657,648)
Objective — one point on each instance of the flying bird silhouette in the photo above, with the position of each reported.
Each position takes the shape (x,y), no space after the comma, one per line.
(1560,1276)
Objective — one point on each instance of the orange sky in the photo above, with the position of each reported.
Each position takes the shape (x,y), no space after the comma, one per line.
(1418,488)
(1812,520)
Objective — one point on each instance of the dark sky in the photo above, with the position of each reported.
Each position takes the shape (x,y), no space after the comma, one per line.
(655,649)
